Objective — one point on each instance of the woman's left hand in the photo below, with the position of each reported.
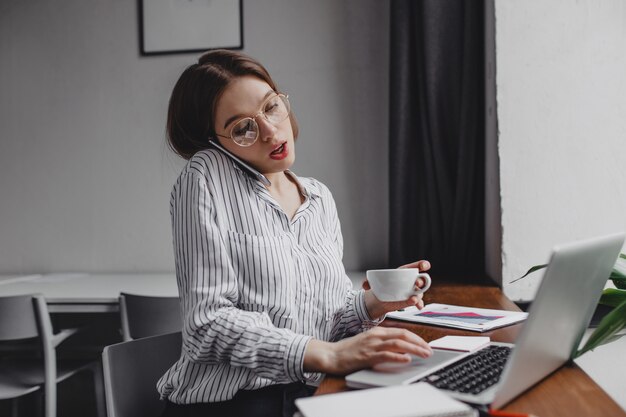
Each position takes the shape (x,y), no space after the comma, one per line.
(377,308)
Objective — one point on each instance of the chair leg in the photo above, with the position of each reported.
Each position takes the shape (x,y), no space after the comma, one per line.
(50,399)
(98,384)
(15,407)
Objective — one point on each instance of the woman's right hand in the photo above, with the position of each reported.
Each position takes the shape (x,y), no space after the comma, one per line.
(364,350)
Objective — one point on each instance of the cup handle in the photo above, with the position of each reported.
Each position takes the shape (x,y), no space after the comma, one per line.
(426,286)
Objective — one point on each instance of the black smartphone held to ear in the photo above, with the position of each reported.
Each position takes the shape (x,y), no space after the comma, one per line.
(247,168)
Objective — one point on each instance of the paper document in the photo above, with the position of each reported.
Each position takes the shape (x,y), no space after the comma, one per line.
(414,400)
(459,317)
(460,343)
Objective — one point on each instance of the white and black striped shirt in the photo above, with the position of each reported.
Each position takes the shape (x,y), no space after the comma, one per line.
(255,286)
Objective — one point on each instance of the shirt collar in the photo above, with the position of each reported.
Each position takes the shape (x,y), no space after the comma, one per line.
(306,188)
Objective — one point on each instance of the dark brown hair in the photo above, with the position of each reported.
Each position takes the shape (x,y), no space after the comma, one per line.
(191,112)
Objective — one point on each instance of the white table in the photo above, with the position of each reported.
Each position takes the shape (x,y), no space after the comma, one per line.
(88,293)
(92,293)
(7,279)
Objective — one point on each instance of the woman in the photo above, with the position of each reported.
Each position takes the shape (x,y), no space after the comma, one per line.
(267,305)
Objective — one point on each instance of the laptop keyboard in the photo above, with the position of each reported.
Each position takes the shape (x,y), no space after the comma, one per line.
(474,373)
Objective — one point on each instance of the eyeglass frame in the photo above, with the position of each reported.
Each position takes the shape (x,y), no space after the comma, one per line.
(253,118)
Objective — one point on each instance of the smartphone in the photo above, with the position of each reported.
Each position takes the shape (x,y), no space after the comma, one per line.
(247,168)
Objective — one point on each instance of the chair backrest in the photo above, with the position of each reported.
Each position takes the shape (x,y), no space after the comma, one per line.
(17,318)
(131,371)
(24,317)
(144,316)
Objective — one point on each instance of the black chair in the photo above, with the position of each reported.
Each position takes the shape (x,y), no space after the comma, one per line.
(144,315)
(131,371)
(31,365)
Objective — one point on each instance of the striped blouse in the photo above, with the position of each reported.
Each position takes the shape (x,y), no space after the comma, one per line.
(255,286)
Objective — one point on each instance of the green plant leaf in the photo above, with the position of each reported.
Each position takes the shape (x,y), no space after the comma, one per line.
(619,283)
(615,274)
(618,274)
(610,324)
(612,297)
(530,271)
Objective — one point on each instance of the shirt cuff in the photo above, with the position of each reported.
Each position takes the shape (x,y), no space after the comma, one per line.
(360,309)
(294,357)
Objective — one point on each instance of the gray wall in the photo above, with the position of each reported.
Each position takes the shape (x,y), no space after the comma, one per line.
(561,82)
(85,174)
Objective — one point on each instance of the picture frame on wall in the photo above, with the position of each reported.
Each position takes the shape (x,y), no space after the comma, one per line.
(187,26)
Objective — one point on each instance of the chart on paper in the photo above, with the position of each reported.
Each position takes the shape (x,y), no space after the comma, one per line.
(463,317)
(460,317)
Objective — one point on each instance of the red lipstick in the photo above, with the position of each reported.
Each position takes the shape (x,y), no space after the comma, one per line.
(280,152)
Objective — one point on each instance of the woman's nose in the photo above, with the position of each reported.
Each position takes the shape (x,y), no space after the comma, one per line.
(266,129)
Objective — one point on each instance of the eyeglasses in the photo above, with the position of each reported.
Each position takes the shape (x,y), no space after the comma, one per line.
(275,110)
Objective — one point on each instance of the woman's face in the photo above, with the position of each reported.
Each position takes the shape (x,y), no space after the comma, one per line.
(273,150)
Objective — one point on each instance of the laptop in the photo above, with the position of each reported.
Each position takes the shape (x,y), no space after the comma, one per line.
(558,317)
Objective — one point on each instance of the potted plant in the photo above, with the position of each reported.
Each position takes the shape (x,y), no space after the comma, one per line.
(614,298)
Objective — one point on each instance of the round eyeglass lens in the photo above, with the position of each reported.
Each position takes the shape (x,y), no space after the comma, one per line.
(276,109)
(245,132)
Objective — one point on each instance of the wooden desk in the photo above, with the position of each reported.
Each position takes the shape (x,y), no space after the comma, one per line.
(567,392)
(88,293)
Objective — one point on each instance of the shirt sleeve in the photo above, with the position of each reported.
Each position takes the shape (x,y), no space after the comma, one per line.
(354,316)
(215,330)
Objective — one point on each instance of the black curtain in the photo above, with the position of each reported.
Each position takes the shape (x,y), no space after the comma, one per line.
(437,135)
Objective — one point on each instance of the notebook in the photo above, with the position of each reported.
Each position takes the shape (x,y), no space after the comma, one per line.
(416,400)
(459,317)
(568,295)
(460,343)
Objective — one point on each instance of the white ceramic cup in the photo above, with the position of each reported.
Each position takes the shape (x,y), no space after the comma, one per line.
(396,284)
